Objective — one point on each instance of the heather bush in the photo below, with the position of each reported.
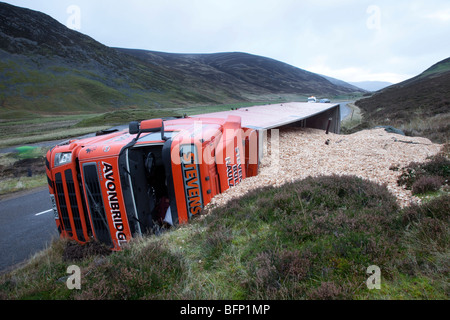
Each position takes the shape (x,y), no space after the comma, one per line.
(437,166)
(327,291)
(427,241)
(146,270)
(326,229)
(279,274)
(436,209)
(426,184)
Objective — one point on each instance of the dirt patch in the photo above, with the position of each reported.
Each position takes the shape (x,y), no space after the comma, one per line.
(76,252)
(23,168)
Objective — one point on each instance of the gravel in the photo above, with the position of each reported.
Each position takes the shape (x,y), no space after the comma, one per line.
(307,152)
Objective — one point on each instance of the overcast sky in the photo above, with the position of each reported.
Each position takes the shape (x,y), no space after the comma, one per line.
(352,40)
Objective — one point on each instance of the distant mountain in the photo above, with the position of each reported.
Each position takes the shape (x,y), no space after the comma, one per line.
(48,68)
(371,85)
(344,84)
(243,72)
(420,105)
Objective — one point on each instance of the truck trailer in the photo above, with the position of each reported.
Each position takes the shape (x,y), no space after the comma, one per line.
(118,185)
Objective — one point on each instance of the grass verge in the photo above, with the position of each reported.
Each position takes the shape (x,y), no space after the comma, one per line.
(23,169)
(59,134)
(310,239)
(11,185)
(353,120)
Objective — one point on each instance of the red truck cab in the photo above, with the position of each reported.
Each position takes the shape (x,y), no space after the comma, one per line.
(114,186)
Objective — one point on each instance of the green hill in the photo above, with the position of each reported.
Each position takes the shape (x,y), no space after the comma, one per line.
(46,68)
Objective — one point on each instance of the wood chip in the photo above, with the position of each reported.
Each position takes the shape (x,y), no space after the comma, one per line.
(307,152)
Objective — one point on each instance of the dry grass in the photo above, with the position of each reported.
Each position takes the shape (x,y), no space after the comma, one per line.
(49,136)
(353,120)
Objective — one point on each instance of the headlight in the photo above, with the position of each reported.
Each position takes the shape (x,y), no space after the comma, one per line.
(63,158)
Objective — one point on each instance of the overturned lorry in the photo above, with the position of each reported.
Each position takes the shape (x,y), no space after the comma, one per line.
(114,186)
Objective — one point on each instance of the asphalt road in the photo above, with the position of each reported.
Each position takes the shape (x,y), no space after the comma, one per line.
(27,226)
(345,110)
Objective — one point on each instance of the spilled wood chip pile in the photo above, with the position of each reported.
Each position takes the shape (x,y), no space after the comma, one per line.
(304,152)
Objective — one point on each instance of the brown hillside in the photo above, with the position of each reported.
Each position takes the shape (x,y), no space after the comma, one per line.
(418,106)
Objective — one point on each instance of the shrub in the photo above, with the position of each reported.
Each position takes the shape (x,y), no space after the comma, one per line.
(445,150)
(438,165)
(426,184)
(280,274)
(76,252)
(325,229)
(437,208)
(427,239)
(327,291)
(145,270)
(429,225)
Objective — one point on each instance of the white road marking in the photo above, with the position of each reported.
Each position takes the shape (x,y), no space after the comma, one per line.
(43,212)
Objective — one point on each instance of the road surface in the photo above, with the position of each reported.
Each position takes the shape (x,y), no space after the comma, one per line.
(345,110)
(27,226)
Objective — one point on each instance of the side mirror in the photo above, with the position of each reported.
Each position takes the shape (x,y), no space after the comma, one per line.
(154,125)
(133,127)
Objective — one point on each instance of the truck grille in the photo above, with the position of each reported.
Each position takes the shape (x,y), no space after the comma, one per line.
(69,212)
(63,212)
(74,205)
(95,203)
